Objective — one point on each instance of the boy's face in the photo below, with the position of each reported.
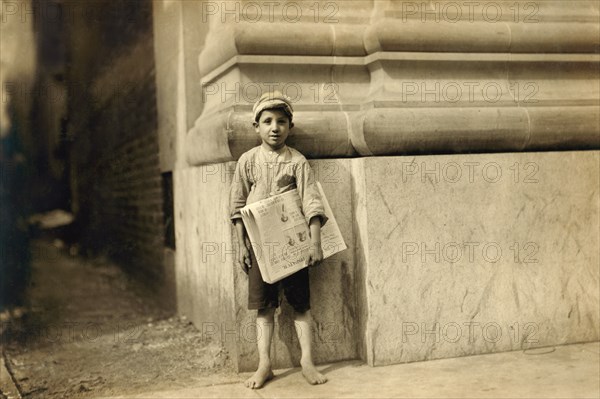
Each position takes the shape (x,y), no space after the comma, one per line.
(273,126)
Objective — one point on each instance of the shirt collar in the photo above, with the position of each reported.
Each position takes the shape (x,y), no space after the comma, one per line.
(280,151)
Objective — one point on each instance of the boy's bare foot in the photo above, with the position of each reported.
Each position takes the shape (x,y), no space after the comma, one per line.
(311,374)
(262,375)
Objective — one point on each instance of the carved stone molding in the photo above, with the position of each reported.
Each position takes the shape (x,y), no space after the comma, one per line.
(389,83)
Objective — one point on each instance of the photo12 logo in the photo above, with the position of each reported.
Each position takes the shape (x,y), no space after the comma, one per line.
(68,332)
(270,11)
(317,93)
(59,12)
(75,91)
(469,252)
(325,171)
(471,11)
(326,332)
(469,172)
(453,92)
(453,332)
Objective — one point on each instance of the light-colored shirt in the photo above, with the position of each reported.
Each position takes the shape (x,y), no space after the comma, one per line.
(261,174)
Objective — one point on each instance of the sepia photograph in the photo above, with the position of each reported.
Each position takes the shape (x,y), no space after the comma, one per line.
(300,199)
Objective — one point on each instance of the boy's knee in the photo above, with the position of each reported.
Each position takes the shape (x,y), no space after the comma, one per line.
(301,312)
(300,306)
(266,312)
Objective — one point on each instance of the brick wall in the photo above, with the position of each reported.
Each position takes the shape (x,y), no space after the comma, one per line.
(116,180)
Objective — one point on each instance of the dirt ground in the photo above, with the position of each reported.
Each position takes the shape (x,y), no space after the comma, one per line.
(90,331)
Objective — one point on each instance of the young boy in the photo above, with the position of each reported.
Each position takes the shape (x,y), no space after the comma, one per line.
(264,171)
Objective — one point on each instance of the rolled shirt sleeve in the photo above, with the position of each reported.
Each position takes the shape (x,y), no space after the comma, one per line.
(240,189)
(312,204)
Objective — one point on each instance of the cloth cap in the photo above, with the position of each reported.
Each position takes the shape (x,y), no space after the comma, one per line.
(271,100)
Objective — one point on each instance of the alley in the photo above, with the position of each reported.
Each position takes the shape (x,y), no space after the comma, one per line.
(91,331)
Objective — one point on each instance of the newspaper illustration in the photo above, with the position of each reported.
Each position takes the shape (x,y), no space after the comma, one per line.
(280,235)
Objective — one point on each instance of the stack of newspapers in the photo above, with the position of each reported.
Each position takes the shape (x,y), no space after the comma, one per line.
(280,235)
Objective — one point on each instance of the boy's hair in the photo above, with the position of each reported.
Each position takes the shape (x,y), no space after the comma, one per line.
(273,100)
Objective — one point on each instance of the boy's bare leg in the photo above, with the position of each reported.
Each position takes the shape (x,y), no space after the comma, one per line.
(303,323)
(264,332)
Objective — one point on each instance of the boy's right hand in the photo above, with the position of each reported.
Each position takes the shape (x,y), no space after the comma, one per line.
(244,259)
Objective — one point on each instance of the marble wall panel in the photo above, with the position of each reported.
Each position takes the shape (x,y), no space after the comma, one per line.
(204,254)
(470,254)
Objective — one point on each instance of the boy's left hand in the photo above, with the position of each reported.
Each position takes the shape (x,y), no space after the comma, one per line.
(315,254)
